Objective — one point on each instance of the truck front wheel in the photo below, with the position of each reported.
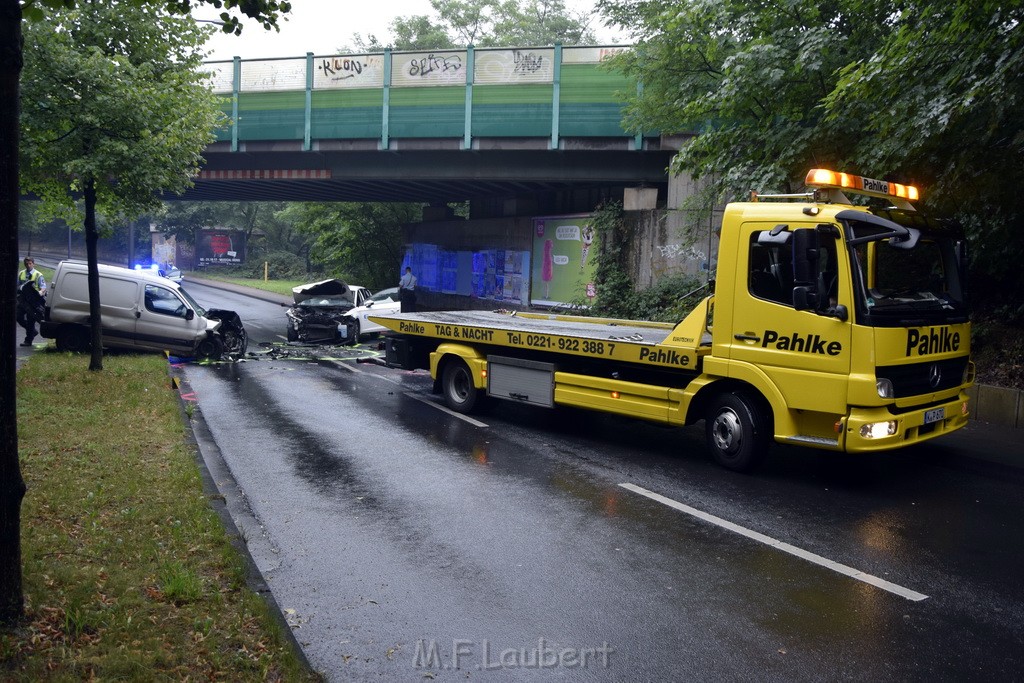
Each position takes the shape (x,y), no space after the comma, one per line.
(460,393)
(736,432)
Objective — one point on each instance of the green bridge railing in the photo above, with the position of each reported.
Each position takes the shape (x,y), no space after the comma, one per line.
(546,92)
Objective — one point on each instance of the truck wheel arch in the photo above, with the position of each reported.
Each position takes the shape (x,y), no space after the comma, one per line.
(447,353)
(712,390)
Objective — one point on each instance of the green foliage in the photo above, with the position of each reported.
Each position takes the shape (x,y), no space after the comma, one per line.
(611,278)
(487,23)
(112,96)
(669,300)
(928,93)
(358,242)
(265,12)
(280,265)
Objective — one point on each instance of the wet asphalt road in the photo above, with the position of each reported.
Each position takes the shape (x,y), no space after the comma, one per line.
(401,540)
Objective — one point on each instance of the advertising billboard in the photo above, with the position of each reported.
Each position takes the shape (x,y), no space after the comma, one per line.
(220,247)
(563,261)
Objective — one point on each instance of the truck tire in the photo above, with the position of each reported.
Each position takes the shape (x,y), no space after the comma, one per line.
(73,339)
(460,394)
(736,432)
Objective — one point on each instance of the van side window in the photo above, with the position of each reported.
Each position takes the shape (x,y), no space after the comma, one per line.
(164,302)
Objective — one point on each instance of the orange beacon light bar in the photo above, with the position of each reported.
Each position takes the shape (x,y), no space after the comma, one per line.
(820,177)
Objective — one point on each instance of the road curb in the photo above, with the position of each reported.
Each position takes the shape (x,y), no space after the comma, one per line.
(228,500)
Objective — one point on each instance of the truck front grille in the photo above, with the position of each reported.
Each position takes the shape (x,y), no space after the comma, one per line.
(928,377)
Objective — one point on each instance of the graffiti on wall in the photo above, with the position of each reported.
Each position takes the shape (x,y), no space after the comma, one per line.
(506,67)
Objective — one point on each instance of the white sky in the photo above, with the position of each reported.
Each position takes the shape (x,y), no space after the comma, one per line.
(322,26)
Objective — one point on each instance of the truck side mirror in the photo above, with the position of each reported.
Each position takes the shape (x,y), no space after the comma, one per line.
(805,258)
(805,298)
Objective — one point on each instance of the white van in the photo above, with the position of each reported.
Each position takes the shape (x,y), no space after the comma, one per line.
(138,310)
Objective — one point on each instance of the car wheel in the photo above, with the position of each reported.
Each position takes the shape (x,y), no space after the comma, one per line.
(357,336)
(736,432)
(73,339)
(210,348)
(460,394)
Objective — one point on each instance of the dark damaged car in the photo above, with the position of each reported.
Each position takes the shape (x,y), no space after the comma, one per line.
(318,309)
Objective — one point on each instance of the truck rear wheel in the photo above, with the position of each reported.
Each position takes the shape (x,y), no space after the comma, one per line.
(460,394)
(736,432)
(73,339)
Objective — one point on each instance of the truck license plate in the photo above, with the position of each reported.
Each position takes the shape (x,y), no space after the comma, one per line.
(934,415)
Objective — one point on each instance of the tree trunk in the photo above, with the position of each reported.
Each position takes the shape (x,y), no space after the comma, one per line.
(92,236)
(12,486)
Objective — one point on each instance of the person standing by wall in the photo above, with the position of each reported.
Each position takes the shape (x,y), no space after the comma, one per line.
(407,291)
(31,289)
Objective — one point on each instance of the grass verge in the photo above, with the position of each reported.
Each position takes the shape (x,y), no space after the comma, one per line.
(276,286)
(128,572)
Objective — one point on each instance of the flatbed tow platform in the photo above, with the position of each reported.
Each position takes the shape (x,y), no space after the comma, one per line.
(627,341)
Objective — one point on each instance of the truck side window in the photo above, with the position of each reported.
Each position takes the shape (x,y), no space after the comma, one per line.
(766,275)
(164,302)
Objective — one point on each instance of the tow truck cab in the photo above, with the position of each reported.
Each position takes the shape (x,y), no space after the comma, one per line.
(850,321)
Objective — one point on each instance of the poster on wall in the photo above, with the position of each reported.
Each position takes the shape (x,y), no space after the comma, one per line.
(497,274)
(220,247)
(563,261)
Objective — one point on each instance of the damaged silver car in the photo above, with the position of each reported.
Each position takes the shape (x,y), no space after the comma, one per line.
(319,307)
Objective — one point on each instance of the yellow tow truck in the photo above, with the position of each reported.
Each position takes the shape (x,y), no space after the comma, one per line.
(832,325)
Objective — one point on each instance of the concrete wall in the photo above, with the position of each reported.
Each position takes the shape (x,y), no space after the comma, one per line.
(671,243)
(998,405)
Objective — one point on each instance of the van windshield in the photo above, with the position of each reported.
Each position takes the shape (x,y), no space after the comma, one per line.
(192,302)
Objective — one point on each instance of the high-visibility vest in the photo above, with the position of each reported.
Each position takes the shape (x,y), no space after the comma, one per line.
(34,278)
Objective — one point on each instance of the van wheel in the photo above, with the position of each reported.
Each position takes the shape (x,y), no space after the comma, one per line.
(736,432)
(457,386)
(73,339)
(210,348)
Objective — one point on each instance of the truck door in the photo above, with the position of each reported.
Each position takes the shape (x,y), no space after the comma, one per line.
(805,353)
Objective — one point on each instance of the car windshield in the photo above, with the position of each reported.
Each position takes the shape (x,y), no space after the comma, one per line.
(385,295)
(900,282)
(200,311)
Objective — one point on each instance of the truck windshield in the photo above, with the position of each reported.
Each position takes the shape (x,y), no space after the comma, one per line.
(896,285)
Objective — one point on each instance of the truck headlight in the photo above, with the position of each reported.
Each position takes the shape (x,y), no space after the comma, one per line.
(884,387)
(878,430)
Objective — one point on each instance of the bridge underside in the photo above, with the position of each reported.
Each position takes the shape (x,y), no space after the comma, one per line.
(414,172)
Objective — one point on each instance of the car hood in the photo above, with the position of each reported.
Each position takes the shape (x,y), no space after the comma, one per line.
(324,288)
